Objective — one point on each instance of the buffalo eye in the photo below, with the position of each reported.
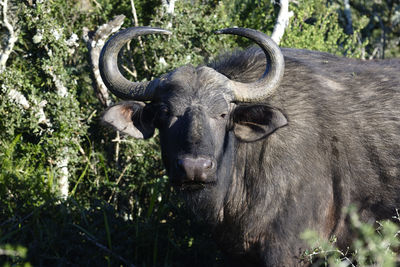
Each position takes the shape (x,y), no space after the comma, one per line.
(163,114)
(164,111)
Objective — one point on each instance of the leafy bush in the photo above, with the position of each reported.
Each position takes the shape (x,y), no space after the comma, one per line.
(314,26)
(373,246)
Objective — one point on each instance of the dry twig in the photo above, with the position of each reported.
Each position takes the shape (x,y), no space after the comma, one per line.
(117,182)
(169,6)
(101,246)
(282,21)
(136,23)
(13,36)
(95,42)
(347,12)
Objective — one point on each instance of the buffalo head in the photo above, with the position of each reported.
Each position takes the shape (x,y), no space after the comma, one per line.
(199,112)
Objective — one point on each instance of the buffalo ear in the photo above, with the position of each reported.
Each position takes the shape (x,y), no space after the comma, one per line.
(254,122)
(132,118)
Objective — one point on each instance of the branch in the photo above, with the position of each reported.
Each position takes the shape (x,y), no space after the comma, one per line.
(62,165)
(135,19)
(4,55)
(169,6)
(63,156)
(383,34)
(374,52)
(117,182)
(12,253)
(282,22)
(117,141)
(347,12)
(101,246)
(95,43)
(61,89)
(21,100)
(136,22)
(18,98)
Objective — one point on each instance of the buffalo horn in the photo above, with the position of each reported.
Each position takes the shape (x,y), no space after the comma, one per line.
(112,77)
(269,82)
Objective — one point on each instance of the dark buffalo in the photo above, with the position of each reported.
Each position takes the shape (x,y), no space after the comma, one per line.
(263,151)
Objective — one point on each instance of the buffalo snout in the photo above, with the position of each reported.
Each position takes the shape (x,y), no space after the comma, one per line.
(195,169)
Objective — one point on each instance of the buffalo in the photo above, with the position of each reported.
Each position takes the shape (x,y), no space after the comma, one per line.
(265,143)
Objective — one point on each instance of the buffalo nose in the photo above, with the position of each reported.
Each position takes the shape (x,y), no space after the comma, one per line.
(195,169)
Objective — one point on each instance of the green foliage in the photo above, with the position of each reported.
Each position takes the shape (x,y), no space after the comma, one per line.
(17,253)
(260,15)
(42,72)
(22,181)
(193,40)
(373,246)
(315,26)
(70,234)
(121,209)
(382,27)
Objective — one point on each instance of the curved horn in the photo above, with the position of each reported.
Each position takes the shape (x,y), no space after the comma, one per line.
(269,82)
(112,77)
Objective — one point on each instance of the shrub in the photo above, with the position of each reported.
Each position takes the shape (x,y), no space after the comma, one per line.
(373,246)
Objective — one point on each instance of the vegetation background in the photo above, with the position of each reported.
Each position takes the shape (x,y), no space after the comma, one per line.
(119,209)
